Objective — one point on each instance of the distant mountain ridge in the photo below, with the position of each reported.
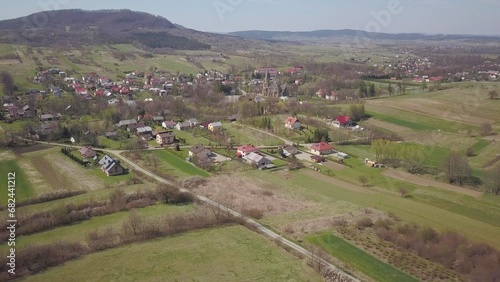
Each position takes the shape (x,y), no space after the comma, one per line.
(320,35)
(82,27)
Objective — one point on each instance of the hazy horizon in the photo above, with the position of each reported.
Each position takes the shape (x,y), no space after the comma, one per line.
(461,17)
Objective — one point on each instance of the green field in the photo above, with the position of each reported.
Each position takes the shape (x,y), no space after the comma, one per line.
(442,210)
(243,135)
(23,191)
(78,231)
(172,162)
(219,254)
(359,259)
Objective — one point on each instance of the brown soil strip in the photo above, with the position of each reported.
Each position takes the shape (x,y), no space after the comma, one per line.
(56,180)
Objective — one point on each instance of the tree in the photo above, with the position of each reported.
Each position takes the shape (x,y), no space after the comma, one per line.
(154,162)
(357,112)
(493,94)
(424,85)
(8,83)
(363,90)
(456,168)
(372,90)
(492,180)
(485,129)
(390,89)
(134,223)
(403,192)
(363,179)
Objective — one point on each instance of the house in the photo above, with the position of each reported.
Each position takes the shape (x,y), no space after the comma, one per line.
(193,122)
(205,124)
(111,167)
(344,121)
(126,122)
(215,126)
(145,132)
(183,125)
(257,159)
(88,152)
(200,151)
(292,123)
(244,150)
(289,150)
(321,148)
(133,126)
(49,117)
(165,138)
(169,124)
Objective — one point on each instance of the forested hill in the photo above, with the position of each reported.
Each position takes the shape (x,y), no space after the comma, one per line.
(80,27)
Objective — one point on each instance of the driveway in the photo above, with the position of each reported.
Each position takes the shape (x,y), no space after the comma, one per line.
(219,158)
(303,156)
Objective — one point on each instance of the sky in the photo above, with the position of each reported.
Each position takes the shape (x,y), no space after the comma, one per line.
(389,16)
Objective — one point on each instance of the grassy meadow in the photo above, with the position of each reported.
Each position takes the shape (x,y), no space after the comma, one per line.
(219,254)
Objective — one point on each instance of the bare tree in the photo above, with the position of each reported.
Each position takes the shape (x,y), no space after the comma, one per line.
(133,223)
(493,94)
(8,83)
(363,179)
(154,162)
(485,129)
(456,168)
(493,180)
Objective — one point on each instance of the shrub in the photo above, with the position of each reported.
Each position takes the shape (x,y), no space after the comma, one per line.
(253,213)
(364,223)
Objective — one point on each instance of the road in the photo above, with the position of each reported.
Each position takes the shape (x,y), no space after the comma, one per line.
(261,228)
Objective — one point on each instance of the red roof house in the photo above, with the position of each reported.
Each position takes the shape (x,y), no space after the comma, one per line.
(344,120)
(245,150)
(321,148)
(292,123)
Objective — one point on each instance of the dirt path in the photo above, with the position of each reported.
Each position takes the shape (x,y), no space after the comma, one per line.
(336,182)
(418,180)
(387,125)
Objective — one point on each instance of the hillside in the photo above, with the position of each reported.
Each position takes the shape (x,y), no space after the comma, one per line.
(80,27)
(350,34)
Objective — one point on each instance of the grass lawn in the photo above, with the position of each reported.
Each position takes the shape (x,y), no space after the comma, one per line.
(15,126)
(480,145)
(241,134)
(219,254)
(190,138)
(359,259)
(413,120)
(78,231)
(170,160)
(109,143)
(23,187)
